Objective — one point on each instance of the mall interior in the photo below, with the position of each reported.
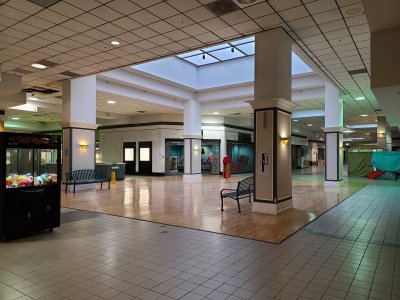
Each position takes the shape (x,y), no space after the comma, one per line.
(149,98)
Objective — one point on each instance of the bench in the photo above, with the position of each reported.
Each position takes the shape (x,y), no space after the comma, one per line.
(84,177)
(244,189)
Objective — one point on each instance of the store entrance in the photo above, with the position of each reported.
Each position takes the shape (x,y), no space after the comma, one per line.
(210,156)
(174,156)
(145,158)
(242,156)
(129,158)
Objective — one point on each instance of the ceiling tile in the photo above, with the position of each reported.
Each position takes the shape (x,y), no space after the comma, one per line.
(176,35)
(294,13)
(214,24)
(191,43)
(333,26)
(90,20)
(247,27)
(227,32)
(146,3)
(111,29)
(259,10)
(208,37)
(160,40)
(84,5)
(174,47)
(13,13)
(124,7)
(106,13)
(269,21)
(66,9)
(200,14)
(129,37)
(48,15)
(163,10)
(309,31)
(301,23)
(126,23)
(356,20)
(145,32)
(144,17)
(184,5)
(359,29)
(161,27)
(145,45)
(327,16)
(179,21)
(194,29)
(282,5)
(75,26)
(25,6)
(319,6)
(235,17)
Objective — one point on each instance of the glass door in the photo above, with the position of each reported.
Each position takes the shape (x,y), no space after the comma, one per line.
(129,158)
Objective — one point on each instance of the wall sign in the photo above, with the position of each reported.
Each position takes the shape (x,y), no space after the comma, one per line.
(265,160)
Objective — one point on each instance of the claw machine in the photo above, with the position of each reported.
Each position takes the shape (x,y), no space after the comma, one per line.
(30,184)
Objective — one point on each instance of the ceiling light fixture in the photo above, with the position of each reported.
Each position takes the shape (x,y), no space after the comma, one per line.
(115,43)
(295,120)
(33,98)
(204,56)
(111,102)
(360,98)
(353,11)
(15,118)
(215,113)
(364,115)
(309,125)
(38,66)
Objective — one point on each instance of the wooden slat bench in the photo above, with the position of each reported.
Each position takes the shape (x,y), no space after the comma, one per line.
(244,189)
(84,177)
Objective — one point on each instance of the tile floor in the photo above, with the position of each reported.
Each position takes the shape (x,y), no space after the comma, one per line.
(350,252)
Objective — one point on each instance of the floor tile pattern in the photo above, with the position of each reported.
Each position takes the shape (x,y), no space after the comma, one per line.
(350,252)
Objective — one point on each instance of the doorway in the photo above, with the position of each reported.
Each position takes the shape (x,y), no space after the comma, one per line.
(145,158)
(174,157)
(129,158)
(210,156)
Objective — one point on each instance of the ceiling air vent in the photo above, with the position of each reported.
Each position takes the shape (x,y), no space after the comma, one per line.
(37,89)
(358,71)
(222,7)
(70,74)
(44,3)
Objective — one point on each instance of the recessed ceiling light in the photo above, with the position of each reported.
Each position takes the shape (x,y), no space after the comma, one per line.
(216,113)
(15,118)
(309,125)
(364,115)
(360,98)
(115,43)
(111,102)
(295,120)
(38,66)
(33,98)
(353,11)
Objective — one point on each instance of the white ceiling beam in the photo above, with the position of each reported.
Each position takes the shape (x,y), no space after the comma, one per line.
(137,93)
(140,80)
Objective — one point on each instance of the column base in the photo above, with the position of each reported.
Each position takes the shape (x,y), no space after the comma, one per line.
(333,183)
(192,177)
(272,208)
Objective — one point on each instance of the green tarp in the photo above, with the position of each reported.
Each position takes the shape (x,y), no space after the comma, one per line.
(386,161)
(359,163)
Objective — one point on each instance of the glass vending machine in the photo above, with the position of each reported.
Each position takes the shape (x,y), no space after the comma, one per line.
(30,184)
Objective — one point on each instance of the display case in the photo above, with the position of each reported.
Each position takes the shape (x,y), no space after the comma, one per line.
(30,184)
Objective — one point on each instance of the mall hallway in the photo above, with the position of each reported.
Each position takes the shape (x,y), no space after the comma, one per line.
(350,252)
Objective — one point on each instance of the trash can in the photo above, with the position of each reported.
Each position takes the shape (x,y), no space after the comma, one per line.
(119,169)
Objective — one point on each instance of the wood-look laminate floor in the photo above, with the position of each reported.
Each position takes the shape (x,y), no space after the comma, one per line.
(171,200)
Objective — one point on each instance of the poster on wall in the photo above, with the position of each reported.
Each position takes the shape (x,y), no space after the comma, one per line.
(264,163)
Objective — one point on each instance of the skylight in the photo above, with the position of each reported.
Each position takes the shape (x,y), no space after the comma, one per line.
(240,48)
(235,49)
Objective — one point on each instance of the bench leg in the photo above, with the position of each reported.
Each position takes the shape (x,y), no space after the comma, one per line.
(74,188)
(101,185)
(108,184)
(66,187)
(222,204)
(238,205)
(249,197)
